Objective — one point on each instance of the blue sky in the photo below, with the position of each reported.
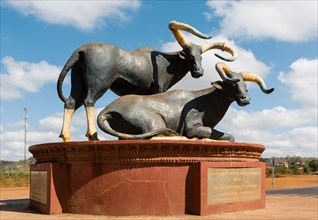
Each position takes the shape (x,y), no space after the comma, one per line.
(275,39)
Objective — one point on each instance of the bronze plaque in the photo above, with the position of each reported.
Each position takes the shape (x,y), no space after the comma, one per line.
(229,185)
(38,186)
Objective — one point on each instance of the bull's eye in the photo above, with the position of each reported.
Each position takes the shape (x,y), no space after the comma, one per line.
(191,57)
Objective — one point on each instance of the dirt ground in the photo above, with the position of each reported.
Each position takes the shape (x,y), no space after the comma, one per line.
(301,203)
(292,181)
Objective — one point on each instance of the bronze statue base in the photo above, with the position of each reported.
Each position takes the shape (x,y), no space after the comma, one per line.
(147,177)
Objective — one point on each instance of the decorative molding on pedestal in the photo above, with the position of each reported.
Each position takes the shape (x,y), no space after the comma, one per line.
(146,151)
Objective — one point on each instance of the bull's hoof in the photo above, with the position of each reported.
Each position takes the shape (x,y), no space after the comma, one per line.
(65,138)
(228,137)
(92,137)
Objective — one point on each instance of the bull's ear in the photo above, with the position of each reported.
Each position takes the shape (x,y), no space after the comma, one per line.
(217,84)
(182,55)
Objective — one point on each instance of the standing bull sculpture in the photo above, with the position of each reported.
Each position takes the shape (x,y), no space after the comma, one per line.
(179,112)
(97,67)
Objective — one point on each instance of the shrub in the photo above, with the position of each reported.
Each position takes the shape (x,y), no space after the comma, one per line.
(313,165)
(279,171)
(15,178)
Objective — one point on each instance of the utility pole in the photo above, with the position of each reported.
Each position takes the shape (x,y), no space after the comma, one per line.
(25,132)
(273,171)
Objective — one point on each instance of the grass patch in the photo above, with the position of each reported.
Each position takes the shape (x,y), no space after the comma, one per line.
(15,174)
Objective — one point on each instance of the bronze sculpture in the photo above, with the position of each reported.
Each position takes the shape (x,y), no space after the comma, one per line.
(97,67)
(193,114)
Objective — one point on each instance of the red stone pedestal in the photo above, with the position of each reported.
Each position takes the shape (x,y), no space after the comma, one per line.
(43,196)
(226,186)
(146,177)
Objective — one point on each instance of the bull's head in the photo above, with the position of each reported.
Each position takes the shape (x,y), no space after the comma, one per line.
(192,52)
(236,91)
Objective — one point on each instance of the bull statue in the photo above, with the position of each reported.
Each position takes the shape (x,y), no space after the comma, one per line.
(97,67)
(192,114)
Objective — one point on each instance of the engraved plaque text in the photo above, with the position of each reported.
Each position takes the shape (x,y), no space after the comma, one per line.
(229,185)
(38,189)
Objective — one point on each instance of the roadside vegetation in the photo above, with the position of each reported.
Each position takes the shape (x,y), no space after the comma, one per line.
(15,174)
(291,166)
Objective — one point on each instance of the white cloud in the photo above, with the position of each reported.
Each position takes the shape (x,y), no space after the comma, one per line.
(52,122)
(291,21)
(83,15)
(302,81)
(282,131)
(208,16)
(4,153)
(267,119)
(12,142)
(17,124)
(21,76)
(301,141)
(246,61)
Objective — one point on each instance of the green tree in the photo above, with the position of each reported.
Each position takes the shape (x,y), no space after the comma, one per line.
(266,160)
(313,165)
(307,169)
(295,160)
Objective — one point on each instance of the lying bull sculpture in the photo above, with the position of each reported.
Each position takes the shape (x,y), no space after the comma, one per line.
(97,67)
(193,114)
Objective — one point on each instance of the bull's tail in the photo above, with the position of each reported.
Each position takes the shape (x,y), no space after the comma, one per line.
(69,64)
(101,124)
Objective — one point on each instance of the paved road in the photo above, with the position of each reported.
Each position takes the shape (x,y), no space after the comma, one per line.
(306,192)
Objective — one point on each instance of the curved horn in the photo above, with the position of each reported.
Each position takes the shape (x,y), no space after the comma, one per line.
(221,46)
(247,76)
(225,72)
(176,28)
